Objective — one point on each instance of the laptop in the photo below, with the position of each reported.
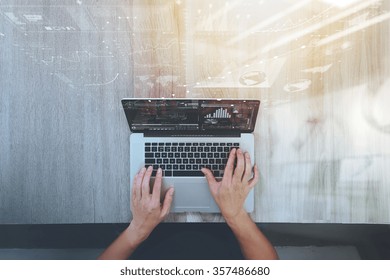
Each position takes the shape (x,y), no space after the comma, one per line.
(183,135)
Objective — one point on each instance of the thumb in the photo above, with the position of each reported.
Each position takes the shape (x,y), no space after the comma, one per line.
(210,178)
(167,203)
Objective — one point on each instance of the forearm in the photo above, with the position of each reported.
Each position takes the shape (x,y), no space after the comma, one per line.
(123,246)
(253,243)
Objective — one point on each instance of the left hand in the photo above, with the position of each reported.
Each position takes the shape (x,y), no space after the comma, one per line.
(145,206)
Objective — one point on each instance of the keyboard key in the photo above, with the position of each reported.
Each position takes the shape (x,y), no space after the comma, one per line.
(165,160)
(175,144)
(170,155)
(169,167)
(147,149)
(160,149)
(149,161)
(211,160)
(182,167)
(181,144)
(172,160)
(154,149)
(161,144)
(164,155)
(149,155)
(187,173)
(167,173)
(185,160)
(195,167)
(147,144)
(215,144)
(154,144)
(209,144)
(157,155)
(159,160)
(198,161)
(188,144)
(196,155)
(202,144)
(179,160)
(183,155)
(192,160)
(168,144)
(175,167)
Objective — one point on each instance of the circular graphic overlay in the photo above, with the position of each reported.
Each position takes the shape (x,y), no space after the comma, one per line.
(252,78)
(298,85)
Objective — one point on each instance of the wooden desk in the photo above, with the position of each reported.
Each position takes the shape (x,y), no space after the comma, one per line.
(322,137)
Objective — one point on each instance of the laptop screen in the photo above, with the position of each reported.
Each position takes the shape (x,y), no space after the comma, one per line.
(191,114)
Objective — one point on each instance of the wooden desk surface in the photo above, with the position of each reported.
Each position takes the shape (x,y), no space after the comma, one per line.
(321,72)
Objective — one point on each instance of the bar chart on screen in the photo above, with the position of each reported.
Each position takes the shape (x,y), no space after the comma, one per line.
(219,114)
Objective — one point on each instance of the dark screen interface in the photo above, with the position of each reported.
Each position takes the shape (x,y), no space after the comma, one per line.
(191,115)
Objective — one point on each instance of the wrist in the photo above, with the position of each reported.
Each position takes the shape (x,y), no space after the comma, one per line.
(134,236)
(235,221)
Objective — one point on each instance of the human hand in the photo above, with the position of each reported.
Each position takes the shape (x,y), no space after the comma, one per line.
(145,206)
(230,193)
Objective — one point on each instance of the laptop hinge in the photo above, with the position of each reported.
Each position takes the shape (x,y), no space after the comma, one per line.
(191,134)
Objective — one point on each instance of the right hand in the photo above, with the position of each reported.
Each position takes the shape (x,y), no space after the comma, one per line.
(230,193)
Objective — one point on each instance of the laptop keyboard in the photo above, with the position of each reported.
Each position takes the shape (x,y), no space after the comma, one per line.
(187,159)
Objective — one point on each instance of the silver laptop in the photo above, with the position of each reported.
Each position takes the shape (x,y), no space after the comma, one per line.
(183,135)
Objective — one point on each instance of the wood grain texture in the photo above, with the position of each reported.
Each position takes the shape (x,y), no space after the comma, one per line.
(64,137)
(322,135)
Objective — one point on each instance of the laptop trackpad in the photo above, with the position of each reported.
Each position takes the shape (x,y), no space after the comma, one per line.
(194,194)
